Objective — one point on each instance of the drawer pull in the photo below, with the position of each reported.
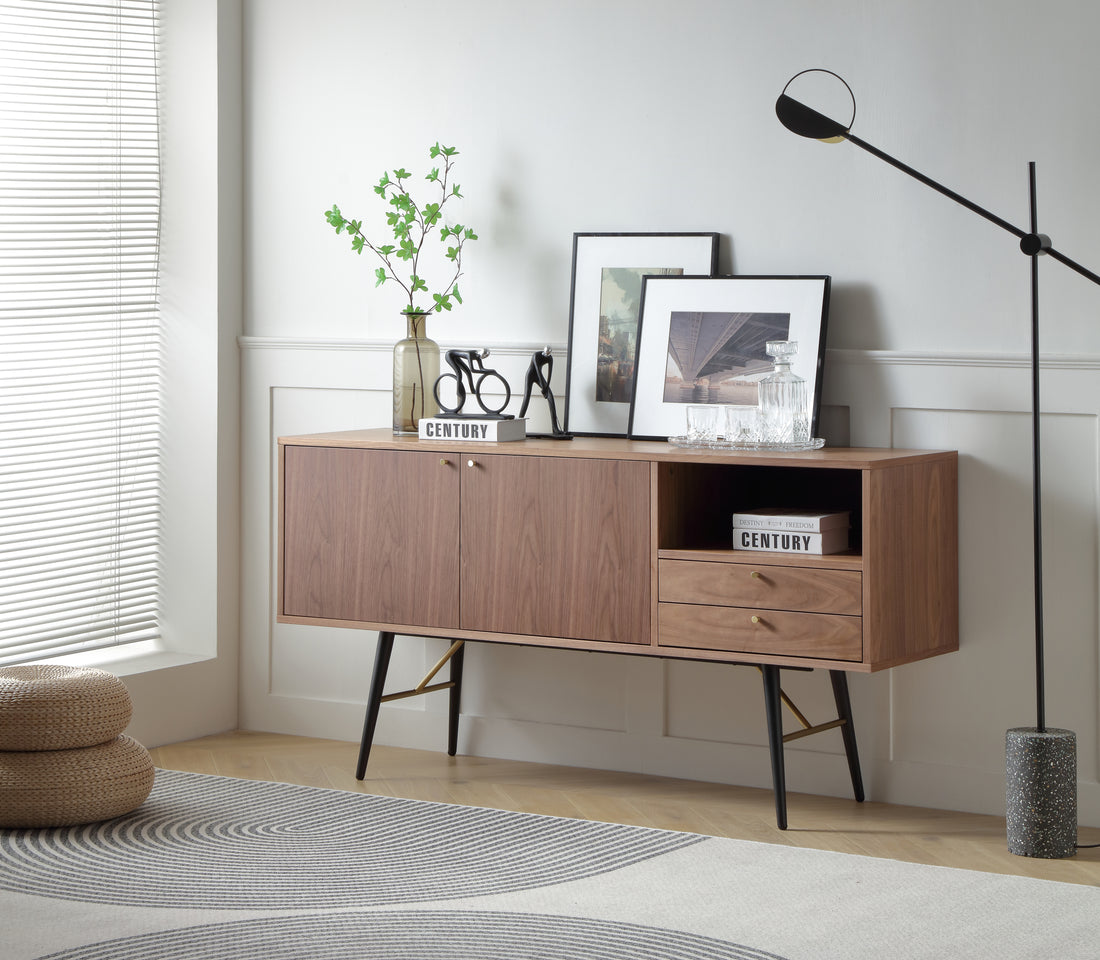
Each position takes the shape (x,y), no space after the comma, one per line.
(471,463)
(755,574)
(444,463)
(755,619)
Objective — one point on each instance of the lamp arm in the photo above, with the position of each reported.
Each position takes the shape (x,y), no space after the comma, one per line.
(1073,265)
(1031,243)
(939,187)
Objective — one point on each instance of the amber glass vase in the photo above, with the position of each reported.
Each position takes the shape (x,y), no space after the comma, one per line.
(415,370)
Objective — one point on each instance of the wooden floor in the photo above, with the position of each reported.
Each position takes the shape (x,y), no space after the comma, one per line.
(872,829)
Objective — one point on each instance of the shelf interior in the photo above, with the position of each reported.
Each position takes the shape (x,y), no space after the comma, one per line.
(696,502)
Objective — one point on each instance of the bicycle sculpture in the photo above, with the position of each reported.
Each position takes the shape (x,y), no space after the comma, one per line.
(469,369)
(540,371)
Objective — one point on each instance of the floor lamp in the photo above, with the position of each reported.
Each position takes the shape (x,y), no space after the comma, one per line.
(1040,761)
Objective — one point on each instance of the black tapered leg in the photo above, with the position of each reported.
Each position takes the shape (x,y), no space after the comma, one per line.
(374,703)
(455,701)
(844,711)
(773,707)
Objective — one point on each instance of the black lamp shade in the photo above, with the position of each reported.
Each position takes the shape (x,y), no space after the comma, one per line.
(807,122)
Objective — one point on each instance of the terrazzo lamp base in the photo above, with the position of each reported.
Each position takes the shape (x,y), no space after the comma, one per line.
(1041,792)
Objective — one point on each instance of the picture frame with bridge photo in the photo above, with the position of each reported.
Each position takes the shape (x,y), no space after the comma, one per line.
(703,340)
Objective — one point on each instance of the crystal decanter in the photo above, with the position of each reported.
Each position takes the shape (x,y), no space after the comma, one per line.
(784,400)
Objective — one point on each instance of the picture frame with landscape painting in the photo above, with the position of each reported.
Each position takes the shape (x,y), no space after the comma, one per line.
(605,305)
(703,340)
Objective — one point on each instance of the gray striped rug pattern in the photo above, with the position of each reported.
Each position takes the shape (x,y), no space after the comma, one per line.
(210,842)
(405,935)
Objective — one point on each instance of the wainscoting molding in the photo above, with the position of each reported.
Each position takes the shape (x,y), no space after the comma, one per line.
(931,733)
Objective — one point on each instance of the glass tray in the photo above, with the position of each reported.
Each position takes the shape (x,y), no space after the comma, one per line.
(815,444)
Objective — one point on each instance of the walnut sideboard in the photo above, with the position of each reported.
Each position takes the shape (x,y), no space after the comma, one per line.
(619,546)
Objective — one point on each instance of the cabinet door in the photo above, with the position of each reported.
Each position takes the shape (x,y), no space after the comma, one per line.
(556,547)
(370,535)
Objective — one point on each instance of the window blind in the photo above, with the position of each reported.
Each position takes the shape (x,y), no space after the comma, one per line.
(80,344)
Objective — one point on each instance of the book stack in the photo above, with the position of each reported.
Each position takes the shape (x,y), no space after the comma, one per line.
(781,530)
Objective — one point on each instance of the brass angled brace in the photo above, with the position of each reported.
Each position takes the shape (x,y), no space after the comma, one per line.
(807,727)
(425,685)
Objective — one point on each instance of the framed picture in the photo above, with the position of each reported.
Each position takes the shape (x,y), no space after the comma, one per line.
(702,339)
(603,317)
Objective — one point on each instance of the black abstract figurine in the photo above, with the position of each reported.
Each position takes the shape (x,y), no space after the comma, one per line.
(540,372)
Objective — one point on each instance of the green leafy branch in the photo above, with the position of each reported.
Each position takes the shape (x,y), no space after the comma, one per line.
(411,225)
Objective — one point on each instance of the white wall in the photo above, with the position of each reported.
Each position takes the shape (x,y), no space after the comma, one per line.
(617,116)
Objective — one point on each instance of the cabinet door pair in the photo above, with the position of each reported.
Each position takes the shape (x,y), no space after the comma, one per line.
(531,546)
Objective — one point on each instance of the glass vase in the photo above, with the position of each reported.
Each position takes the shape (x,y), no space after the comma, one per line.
(415,370)
(784,401)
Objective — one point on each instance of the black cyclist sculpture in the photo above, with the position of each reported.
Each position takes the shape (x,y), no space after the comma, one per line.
(468,367)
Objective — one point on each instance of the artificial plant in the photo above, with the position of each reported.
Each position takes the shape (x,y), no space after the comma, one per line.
(412,224)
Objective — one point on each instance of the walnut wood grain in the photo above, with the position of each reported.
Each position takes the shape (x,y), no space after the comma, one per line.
(610,448)
(910,561)
(761,585)
(829,561)
(370,535)
(579,544)
(558,547)
(779,633)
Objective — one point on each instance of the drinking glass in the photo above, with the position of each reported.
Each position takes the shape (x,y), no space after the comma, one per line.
(741,423)
(702,422)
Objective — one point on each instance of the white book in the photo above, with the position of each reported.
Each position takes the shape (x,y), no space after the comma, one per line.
(472,428)
(778,518)
(789,541)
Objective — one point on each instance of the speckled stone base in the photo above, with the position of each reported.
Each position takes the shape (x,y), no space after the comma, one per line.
(1041,780)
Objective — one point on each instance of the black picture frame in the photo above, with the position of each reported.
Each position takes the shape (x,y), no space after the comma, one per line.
(738,314)
(607,273)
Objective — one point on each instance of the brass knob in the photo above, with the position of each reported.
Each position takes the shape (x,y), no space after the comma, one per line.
(471,463)
(755,619)
(444,463)
(755,574)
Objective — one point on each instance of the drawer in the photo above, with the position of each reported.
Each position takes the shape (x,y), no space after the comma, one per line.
(809,589)
(824,636)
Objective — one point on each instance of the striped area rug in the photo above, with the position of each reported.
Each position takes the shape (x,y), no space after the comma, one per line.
(211,867)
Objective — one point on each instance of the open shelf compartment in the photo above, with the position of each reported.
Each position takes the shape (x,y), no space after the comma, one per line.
(696,503)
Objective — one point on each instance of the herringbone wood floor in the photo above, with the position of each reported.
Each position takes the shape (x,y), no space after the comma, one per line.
(872,829)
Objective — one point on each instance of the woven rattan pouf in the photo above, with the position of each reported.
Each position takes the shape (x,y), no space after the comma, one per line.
(63,759)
